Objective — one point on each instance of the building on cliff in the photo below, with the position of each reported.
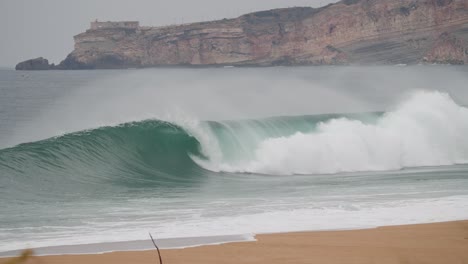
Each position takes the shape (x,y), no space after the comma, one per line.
(95,25)
(356,32)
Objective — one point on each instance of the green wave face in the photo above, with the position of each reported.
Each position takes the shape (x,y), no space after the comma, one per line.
(157,153)
(140,154)
(134,154)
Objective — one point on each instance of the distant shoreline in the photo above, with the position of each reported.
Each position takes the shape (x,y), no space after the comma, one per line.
(227,67)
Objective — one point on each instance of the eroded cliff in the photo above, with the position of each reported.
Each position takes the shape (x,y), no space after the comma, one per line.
(348,32)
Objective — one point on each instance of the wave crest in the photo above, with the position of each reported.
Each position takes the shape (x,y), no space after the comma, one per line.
(427,130)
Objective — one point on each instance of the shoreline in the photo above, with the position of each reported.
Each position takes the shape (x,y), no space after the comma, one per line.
(178,243)
(231,66)
(131,245)
(444,242)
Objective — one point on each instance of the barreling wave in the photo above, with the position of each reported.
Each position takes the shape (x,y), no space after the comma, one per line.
(132,153)
(429,129)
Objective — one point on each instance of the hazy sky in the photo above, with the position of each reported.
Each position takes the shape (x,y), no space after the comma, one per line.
(34,28)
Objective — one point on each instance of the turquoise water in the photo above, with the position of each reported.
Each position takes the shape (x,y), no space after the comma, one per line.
(105,156)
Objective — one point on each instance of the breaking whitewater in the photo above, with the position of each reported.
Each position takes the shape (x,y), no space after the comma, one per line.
(181,176)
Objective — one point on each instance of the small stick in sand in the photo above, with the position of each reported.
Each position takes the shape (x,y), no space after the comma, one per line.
(159,253)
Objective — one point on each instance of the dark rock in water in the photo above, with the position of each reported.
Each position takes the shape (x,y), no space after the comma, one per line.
(34,64)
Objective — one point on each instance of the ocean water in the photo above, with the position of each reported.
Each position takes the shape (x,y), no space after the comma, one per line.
(108,156)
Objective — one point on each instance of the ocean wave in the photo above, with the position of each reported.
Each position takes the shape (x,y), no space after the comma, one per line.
(428,129)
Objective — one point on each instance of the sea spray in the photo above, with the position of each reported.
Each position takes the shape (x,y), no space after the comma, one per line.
(428,129)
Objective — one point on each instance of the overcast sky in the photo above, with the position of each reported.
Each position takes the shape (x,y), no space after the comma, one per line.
(34,28)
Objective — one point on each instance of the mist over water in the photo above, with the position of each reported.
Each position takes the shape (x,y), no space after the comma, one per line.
(109,98)
(109,155)
(428,129)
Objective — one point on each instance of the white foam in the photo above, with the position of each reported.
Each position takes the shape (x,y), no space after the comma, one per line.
(428,129)
(137,245)
(347,216)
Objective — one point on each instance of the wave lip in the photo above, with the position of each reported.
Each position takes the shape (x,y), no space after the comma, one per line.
(428,129)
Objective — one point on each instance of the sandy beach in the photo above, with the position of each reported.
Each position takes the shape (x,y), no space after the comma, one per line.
(424,243)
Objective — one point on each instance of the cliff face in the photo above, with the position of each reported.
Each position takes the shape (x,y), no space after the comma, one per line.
(348,32)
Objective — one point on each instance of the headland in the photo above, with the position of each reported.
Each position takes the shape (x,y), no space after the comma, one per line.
(349,32)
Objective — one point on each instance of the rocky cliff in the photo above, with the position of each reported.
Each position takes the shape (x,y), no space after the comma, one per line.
(347,32)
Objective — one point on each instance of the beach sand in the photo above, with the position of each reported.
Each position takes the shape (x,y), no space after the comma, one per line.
(425,243)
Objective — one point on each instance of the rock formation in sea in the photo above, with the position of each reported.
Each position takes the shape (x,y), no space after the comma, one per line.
(347,32)
(34,64)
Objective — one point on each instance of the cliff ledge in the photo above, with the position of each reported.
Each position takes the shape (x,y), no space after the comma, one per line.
(347,32)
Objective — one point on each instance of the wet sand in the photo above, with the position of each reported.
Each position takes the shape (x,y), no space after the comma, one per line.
(425,243)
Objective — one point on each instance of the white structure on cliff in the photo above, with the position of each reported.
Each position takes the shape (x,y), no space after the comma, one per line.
(115,24)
